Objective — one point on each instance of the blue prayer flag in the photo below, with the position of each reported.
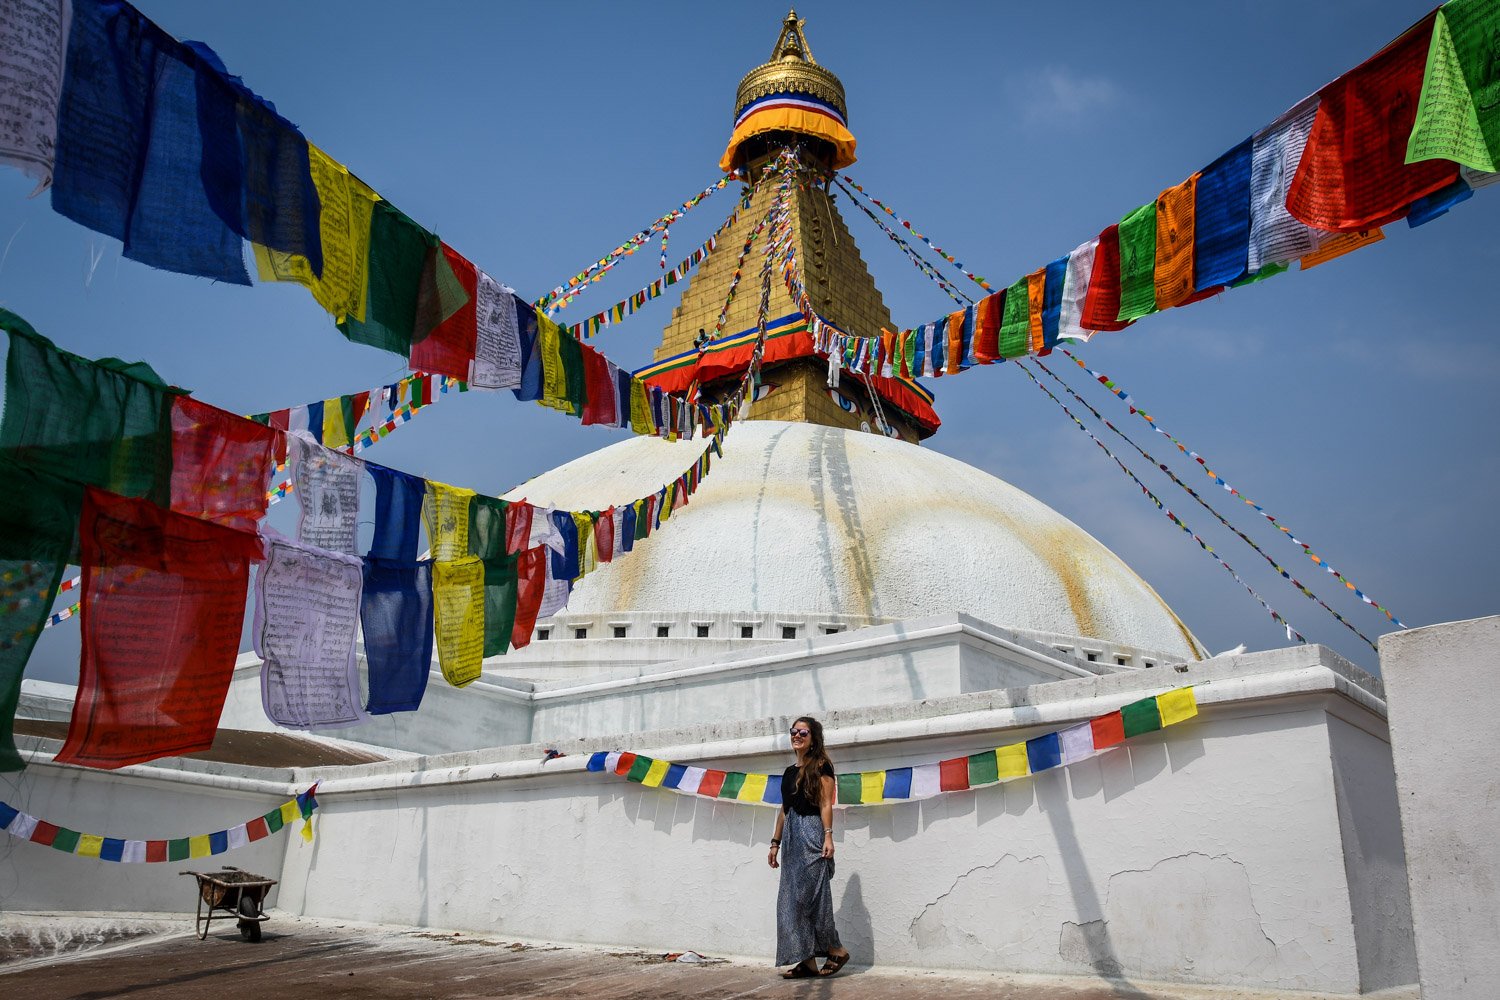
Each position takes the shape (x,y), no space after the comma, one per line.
(773,790)
(596,760)
(398,513)
(674,775)
(7,814)
(113,849)
(396,616)
(1043,752)
(1052,302)
(1221,220)
(218,842)
(1427,208)
(897,783)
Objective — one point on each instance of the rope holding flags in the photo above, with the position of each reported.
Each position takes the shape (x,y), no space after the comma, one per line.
(24,826)
(871,788)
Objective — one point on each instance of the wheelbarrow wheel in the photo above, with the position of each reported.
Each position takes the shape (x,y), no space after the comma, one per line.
(249,925)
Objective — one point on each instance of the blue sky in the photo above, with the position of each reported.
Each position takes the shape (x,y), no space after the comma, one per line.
(1355,401)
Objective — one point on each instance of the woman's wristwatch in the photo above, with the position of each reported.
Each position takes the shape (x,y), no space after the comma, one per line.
(775,842)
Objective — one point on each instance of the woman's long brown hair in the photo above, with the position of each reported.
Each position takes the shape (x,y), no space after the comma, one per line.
(810,774)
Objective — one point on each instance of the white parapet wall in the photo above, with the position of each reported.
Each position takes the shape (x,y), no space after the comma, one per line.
(1445,730)
(1256,845)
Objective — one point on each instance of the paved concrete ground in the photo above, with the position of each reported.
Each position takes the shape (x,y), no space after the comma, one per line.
(332,961)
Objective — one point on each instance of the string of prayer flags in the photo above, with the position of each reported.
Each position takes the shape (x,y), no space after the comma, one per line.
(163,605)
(307,603)
(1135,408)
(24,826)
(919,781)
(1458,112)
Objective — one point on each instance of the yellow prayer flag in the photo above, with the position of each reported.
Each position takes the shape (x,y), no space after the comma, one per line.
(588,559)
(640,409)
(1011,761)
(655,774)
(446,514)
(871,787)
(307,830)
(754,788)
(346,204)
(335,434)
(458,618)
(199,847)
(1177,705)
(89,845)
(290,812)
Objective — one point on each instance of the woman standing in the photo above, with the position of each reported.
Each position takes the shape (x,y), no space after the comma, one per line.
(804,906)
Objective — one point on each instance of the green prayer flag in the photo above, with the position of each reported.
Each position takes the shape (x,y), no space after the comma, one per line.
(1141,717)
(440,294)
(1138,263)
(1015,322)
(573,367)
(273,820)
(66,840)
(177,850)
(641,766)
(399,251)
(984,768)
(105,423)
(850,789)
(487,541)
(1269,271)
(1458,114)
(733,782)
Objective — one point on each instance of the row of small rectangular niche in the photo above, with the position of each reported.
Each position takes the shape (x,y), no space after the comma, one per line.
(700,631)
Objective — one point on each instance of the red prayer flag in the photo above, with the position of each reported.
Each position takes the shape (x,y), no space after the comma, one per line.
(1101,306)
(1354,173)
(163,604)
(44,833)
(712,782)
(987,328)
(625,763)
(1109,730)
(599,407)
(358,404)
(449,348)
(517,526)
(256,829)
(220,464)
(156,851)
(953,775)
(531,582)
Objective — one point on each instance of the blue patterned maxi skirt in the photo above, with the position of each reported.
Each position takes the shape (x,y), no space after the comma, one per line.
(804,905)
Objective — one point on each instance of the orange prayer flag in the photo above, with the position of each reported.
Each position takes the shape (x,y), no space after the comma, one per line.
(1174,243)
(1340,245)
(987,329)
(1036,285)
(955,341)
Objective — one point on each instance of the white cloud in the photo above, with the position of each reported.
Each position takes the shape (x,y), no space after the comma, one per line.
(1054,93)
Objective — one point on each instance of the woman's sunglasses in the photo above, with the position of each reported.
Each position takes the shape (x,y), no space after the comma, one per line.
(801,732)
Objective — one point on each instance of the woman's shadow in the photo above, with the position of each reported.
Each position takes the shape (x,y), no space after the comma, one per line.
(856,930)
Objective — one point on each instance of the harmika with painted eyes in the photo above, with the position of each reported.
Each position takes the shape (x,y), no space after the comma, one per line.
(804,842)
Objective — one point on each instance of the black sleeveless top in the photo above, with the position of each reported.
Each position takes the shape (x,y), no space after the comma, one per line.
(795,801)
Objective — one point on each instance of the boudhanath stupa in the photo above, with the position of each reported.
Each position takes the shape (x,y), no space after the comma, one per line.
(830,565)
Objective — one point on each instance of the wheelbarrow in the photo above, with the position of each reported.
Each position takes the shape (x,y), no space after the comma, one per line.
(237,893)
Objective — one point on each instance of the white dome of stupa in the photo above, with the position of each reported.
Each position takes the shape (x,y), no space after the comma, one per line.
(805,519)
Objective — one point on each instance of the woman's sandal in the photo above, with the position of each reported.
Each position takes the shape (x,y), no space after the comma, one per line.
(800,971)
(833,965)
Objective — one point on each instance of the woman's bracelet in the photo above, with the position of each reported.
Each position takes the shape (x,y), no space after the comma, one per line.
(775,842)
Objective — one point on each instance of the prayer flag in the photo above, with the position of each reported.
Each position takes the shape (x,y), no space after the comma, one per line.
(655,773)
(983,768)
(220,464)
(1457,115)
(396,617)
(897,784)
(1137,235)
(711,782)
(954,774)
(871,787)
(754,788)
(1221,219)
(691,781)
(1101,306)
(1015,321)
(1011,761)
(673,778)
(1140,717)
(1339,245)
(926,780)
(31,81)
(1080,269)
(1275,235)
(1175,706)
(1109,730)
(639,768)
(399,499)
(163,599)
(733,782)
(1036,295)
(849,788)
(531,585)
(327,495)
(451,310)
(1043,752)
(1052,299)
(1076,743)
(458,618)
(398,252)
(596,760)
(1353,174)
(1175,244)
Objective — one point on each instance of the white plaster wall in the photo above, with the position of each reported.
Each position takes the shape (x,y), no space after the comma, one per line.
(875,528)
(1209,852)
(139,803)
(1445,737)
(1374,855)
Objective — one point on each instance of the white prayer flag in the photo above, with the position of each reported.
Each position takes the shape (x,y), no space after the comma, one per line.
(926,780)
(1276,237)
(1077,742)
(1075,289)
(23,826)
(692,777)
(33,54)
(497,348)
(328,492)
(133,853)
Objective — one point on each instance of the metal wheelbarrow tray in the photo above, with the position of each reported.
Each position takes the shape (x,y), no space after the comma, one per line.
(235,892)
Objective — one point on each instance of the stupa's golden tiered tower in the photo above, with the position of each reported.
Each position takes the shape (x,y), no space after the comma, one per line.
(792,101)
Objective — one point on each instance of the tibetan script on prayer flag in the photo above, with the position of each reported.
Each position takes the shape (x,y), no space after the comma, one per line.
(458,600)
(163,604)
(1353,174)
(328,493)
(1275,235)
(497,348)
(1174,244)
(33,36)
(306,613)
(1458,115)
